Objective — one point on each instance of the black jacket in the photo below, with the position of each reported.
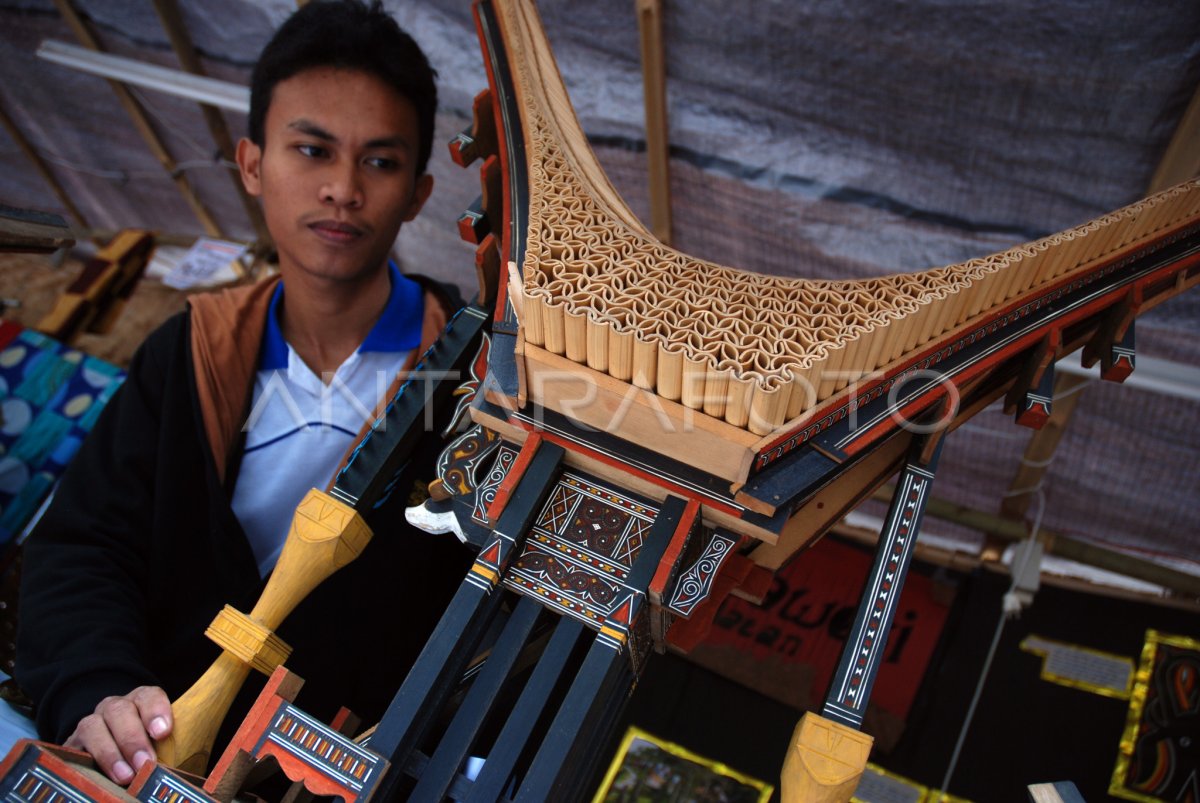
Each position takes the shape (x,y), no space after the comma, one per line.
(140,549)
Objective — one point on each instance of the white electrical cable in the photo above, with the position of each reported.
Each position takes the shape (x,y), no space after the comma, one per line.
(962,734)
(987,664)
(1072,391)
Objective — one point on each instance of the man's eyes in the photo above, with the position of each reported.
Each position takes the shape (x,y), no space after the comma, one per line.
(383,163)
(311,151)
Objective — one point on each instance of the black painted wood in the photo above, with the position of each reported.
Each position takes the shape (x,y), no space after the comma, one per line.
(493,780)
(502,366)
(516,200)
(385,448)
(850,690)
(452,644)
(454,745)
(639,457)
(793,478)
(603,682)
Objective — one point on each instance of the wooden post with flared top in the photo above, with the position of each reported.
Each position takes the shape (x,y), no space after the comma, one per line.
(325,535)
(828,752)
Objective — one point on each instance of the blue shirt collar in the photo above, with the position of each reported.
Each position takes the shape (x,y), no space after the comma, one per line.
(397,330)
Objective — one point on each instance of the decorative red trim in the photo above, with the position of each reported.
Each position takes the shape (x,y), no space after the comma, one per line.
(505,172)
(660,481)
(282,686)
(509,483)
(671,556)
(836,402)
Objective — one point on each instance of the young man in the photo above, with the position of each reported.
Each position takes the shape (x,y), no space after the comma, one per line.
(180,500)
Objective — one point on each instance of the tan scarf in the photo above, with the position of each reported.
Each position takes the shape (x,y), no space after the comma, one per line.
(227,331)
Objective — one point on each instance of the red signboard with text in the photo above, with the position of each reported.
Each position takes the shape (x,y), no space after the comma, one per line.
(796,636)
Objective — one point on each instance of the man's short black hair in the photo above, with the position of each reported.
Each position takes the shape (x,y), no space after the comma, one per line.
(346,34)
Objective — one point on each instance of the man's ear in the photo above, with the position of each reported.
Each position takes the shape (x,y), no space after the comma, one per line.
(421,191)
(249,159)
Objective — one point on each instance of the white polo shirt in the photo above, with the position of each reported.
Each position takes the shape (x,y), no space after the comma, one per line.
(299,426)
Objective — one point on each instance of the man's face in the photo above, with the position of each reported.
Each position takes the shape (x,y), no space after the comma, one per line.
(337,173)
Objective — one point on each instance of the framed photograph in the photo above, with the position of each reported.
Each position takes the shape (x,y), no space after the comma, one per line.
(647,769)
(1157,758)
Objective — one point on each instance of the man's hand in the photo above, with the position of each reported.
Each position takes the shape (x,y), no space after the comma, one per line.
(118,733)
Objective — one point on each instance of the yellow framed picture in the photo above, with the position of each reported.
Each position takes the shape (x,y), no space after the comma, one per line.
(647,769)
(1157,755)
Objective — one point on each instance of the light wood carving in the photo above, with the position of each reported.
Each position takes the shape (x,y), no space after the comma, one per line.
(325,535)
(756,352)
(824,761)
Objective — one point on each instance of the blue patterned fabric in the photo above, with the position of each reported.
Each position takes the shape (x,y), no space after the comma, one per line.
(50,396)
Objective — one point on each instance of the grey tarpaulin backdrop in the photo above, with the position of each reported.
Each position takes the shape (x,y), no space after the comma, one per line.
(809,138)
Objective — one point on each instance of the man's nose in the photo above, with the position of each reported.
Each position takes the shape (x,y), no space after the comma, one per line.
(342,186)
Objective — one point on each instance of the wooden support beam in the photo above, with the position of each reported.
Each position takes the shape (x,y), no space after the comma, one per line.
(43,169)
(181,43)
(1121,563)
(654,88)
(141,121)
(1181,160)
(1040,450)
(31,232)
(479,139)
(160,237)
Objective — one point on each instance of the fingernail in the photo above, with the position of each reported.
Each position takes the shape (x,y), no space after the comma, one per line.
(140,758)
(122,772)
(158,727)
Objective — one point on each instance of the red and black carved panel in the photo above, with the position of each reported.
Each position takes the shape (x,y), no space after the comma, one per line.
(41,772)
(164,786)
(459,462)
(581,548)
(468,390)
(696,580)
(1158,758)
(326,761)
(486,492)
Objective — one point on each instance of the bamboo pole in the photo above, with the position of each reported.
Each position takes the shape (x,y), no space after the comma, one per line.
(141,122)
(44,169)
(185,51)
(654,88)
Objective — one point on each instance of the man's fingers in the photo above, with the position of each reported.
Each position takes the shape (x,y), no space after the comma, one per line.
(118,733)
(155,710)
(124,723)
(92,736)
